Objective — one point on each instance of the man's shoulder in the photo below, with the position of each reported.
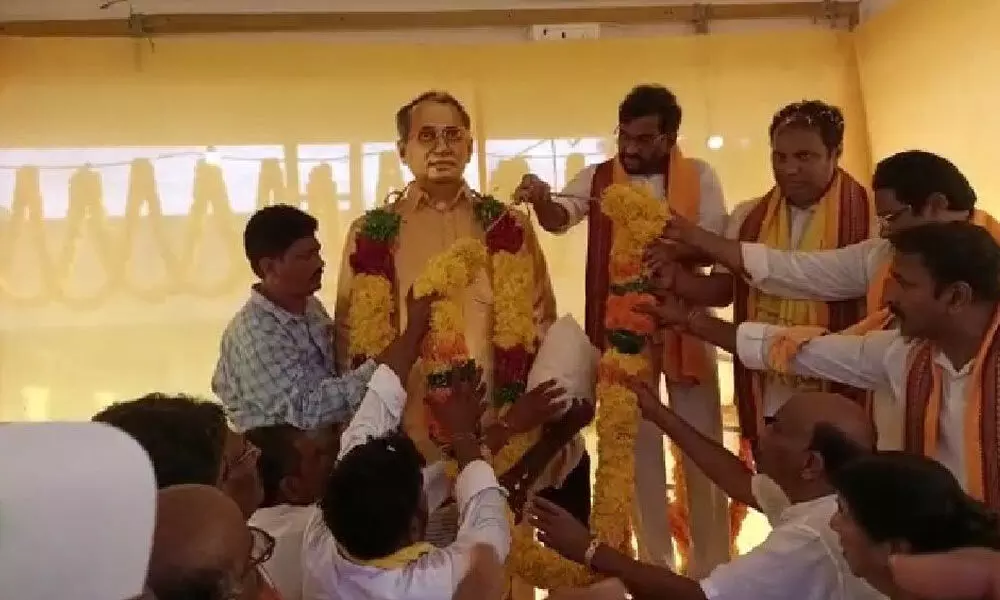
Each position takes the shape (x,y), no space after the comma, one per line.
(250,319)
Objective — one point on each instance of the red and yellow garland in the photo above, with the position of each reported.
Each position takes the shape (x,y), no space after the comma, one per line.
(371,314)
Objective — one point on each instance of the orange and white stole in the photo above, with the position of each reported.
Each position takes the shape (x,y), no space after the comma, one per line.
(981,431)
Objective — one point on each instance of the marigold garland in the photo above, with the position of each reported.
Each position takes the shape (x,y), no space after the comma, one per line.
(370,315)
(638,218)
(444,349)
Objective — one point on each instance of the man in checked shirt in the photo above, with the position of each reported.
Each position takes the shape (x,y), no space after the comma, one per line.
(276,362)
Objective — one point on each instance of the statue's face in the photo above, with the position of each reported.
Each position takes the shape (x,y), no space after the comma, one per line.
(439,145)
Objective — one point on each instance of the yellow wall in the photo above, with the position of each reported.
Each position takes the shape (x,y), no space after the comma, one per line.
(69,102)
(930,79)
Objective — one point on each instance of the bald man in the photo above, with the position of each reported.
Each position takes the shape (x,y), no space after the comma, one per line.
(812,435)
(202,547)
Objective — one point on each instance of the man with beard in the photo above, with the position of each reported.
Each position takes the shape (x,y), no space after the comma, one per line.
(942,365)
(648,122)
(910,188)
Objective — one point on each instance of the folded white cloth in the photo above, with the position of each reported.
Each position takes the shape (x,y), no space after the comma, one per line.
(77,511)
(567,356)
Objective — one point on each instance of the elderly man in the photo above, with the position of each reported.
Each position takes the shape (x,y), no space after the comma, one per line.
(203,548)
(812,435)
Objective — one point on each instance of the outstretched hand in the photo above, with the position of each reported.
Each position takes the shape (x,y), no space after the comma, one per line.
(535,407)
(418,312)
(559,530)
(461,412)
(648,396)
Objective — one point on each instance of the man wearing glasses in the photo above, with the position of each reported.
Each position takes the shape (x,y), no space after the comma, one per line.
(910,188)
(648,121)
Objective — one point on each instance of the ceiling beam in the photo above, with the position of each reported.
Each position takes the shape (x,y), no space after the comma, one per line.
(339,22)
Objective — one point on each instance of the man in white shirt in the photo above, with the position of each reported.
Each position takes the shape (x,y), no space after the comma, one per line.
(378,499)
(910,188)
(293,467)
(648,121)
(941,365)
(812,435)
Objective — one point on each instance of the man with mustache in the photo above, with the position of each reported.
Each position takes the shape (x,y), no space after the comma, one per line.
(276,361)
(814,205)
(942,365)
(648,121)
(910,188)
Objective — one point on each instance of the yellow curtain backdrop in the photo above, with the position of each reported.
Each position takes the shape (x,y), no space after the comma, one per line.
(929,76)
(127,171)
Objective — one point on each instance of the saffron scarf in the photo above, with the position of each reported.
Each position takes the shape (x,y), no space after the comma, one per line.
(843,216)
(397,560)
(684,359)
(924,396)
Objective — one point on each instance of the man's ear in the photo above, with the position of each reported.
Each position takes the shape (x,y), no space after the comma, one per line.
(959,295)
(401,148)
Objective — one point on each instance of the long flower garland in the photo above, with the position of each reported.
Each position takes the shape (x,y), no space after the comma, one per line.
(444,349)
(637,218)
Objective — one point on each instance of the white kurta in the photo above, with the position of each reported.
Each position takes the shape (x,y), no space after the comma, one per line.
(828,275)
(800,559)
(876,361)
(699,405)
(328,575)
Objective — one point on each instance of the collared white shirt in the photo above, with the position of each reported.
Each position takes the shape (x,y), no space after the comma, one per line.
(712,209)
(287,524)
(328,575)
(876,361)
(801,559)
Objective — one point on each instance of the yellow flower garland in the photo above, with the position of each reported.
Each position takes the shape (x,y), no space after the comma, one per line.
(370,315)
(638,218)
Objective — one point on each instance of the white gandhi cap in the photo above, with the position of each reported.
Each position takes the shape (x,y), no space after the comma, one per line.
(77,511)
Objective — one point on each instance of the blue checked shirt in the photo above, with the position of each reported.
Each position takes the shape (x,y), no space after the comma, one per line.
(276,367)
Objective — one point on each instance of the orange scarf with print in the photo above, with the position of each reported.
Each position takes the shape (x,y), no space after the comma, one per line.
(684,359)
(924,396)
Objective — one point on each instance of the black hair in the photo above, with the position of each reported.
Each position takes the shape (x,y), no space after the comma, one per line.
(404,115)
(827,120)
(183,436)
(272,230)
(835,447)
(372,496)
(201,584)
(953,252)
(278,457)
(651,100)
(897,496)
(915,175)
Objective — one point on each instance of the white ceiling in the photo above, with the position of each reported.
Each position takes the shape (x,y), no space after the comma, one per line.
(90,9)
